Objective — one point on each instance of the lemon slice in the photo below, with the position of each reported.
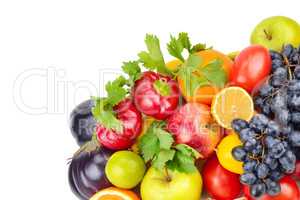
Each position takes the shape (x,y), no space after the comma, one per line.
(232,103)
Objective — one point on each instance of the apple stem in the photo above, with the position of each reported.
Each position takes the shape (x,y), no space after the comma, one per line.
(268,35)
(168,177)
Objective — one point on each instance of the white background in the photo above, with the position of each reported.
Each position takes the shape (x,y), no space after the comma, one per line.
(78,38)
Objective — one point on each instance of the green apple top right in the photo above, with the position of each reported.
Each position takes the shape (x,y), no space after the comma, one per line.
(275,32)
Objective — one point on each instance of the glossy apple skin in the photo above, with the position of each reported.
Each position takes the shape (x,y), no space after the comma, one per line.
(251,67)
(82,122)
(155,185)
(87,173)
(193,125)
(148,101)
(281,31)
(289,191)
(220,183)
(131,119)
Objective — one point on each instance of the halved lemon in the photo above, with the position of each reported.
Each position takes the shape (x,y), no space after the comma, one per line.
(232,103)
(113,193)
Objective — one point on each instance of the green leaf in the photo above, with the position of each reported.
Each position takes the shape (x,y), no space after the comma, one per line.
(186,72)
(185,41)
(163,157)
(153,58)
(165,139)
(193,61)
(115,91)
(149,146)
(214,73)
(187,150)
(162,87)
(175,48)
(133,70)
(184,162)
(198,47)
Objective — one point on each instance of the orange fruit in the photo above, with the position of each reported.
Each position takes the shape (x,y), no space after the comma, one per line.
(113,193)
(232,103)
(205,94)
(173,65)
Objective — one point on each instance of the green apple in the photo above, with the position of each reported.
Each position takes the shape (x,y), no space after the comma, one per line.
(125,169)
(171,185)
(274,32)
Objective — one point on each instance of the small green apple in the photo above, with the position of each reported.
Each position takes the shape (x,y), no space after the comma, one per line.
(171,185)
(274,32)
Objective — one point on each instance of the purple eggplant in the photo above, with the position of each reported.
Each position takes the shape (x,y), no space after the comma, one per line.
(82,122)
(87,173)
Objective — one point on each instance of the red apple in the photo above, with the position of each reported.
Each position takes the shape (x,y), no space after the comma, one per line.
(193,125)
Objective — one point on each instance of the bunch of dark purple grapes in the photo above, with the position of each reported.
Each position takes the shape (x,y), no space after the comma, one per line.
(266,154)
(279,97)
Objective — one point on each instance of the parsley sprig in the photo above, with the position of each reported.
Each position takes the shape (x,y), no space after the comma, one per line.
(157,146)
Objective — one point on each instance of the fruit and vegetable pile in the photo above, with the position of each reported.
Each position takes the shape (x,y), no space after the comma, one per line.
(227,125)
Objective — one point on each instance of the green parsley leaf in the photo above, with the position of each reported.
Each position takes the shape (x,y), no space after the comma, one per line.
(162,87)
(162,158)
(198,47)
(106,117)
(165,139)
(153,59)
(149,145)
(184,162)
(214,73)
(186,72)
(175,48)
(133,70)
(115,91)
(185,41)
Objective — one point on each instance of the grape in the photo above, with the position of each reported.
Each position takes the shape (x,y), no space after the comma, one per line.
(297,72)
(295,58)
(279,102)
(275,175)
(277,150)
(246,134)
(258,122)
(257,190)
(259,101)
(273,129)
(294,86)
(295,118)
(283,117)
(248,178)
(295,138)
(273,188)
(266,90)
(249,166)
(295,102)
(271,162)
(262,171)
(239,153)
(288,50)
(275,55)
(286,164)
(239,124)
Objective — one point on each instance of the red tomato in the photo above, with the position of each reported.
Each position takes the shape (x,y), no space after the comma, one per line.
(289,191)
(220,183)
(251,67)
